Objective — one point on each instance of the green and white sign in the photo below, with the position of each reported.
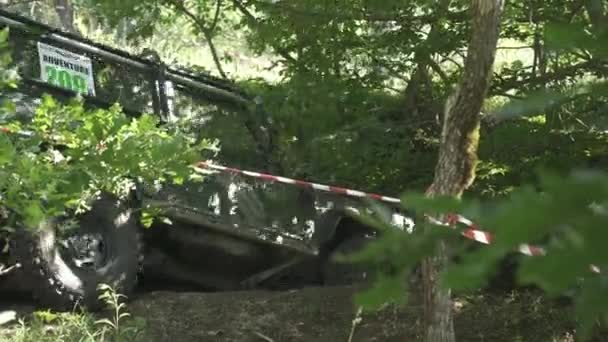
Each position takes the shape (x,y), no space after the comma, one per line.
(66,69)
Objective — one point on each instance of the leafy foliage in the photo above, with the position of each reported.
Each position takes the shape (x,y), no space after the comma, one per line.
(358,96)
(346,97)
(87,151)
(568,219)
(8,76)
(569,216)
(116,324)
(564,212)
(79,326)
(68,153)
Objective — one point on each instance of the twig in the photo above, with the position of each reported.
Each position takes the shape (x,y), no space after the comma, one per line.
(444,77)
(254,22)
(452,60)
(7,270)
(265,275)
(214,54)
(216,17)
(356,322)
(263,337)
(206,31)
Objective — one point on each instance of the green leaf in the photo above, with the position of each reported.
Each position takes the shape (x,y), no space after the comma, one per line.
(9,106)
(4,33)
(46,316)
(7,150)
(33,214)
(535,103)
(147,218)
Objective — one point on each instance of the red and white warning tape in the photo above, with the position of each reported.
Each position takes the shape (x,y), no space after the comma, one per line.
(21,133)
(472,232)
(304,184)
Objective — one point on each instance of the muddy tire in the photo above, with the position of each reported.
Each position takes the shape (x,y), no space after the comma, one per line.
(105,248)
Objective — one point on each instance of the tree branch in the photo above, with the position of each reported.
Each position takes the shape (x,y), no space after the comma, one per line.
(254,22)
(576,7)
(214,54)
(402,16)
(65,12)
(207,32)
(595,10)
(424,59)
(453,61)
(261,130)
(388,68)
(560,74)
(492,120)
(216,17)
(455,169)
(437,69)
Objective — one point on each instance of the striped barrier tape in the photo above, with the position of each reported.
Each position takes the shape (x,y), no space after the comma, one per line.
(21,133)
(472,232)
(304,184)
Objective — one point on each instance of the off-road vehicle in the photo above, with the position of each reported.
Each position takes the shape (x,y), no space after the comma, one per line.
(229,232)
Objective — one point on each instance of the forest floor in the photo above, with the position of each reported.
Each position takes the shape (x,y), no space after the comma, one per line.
(326,314)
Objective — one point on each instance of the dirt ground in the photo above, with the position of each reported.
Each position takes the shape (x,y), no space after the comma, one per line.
(326,314)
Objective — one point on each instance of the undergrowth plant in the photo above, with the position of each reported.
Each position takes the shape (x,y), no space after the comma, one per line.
(563,212)
(119,326)
(66,153)
(47,326)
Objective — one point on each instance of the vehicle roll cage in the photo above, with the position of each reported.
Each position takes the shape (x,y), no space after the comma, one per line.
(205,85)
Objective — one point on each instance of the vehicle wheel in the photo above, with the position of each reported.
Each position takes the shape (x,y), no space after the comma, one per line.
(66,267)
(342,273)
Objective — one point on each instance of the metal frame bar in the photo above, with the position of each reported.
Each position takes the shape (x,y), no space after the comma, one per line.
(24,24)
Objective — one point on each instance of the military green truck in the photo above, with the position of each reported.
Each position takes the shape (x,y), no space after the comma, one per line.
(230,232)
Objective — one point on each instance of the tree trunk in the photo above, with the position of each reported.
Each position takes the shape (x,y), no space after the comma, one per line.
(455,170)
(65,11)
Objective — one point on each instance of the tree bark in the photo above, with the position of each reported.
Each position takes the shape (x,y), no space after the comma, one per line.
(455,169)
(65,11)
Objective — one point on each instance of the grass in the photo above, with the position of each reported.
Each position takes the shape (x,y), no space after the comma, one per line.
(115,325)
(308,314)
